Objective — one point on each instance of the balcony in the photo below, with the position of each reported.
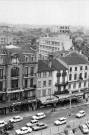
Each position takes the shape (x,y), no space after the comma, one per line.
(61,92)
(58,74)
(29,75)
(61,84)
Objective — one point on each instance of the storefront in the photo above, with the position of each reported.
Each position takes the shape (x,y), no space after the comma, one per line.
(48,100)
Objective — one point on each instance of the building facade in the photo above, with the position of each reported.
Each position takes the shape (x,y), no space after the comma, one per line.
(78,72)
(49,83)
(53,44)
(18,68)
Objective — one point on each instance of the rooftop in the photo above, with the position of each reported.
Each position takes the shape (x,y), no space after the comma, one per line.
(74,58)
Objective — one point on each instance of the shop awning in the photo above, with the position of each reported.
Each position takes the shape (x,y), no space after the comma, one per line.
(68,96)
(48,99)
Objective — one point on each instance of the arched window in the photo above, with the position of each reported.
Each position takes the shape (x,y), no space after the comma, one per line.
(14,72)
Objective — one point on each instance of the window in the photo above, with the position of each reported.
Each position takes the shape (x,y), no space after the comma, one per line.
(14,84)
(26,83)
(31,82)
(50,73)
(75,76)
(44,92)
(32,71)
(1,86)
(80,85)
(85,84)
(1,60)
(1,73)
(85,75)
(32,58)
(75,68)
(50,82)
(69,86)
(44,83)
(85,67)
(49,92)
(39,74)
(74,85)
(39,93)
(26,58)
(14,96)
(70,76)
(81,68)
(26,71)
(70,69)
(14,72)
(80,76)
(44,74)
(39,83)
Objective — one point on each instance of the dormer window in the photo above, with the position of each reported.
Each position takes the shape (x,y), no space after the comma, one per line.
(14,59)
(32,58)
(26,58)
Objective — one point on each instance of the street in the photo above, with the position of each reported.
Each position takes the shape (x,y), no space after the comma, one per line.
(51,117)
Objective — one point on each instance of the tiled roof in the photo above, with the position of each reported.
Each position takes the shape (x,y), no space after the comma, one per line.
(43,65)
(74,59)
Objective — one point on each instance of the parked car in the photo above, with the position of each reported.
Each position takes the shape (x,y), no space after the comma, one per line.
(32,123)
(60,121)
(2,132)
(2,123)
(39,126)
(68,130)
(84,128)
(87,123)
(23,130)
(8,126)
(16,119)
(39,116)
(80,114)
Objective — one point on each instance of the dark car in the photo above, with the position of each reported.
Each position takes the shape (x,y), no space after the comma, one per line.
(8,126)
(2,132)
(39,126)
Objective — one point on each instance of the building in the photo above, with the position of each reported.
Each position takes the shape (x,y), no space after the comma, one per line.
(78,74)
(53,44)
(6,39)
(64,29)
(49,82)
(18,68)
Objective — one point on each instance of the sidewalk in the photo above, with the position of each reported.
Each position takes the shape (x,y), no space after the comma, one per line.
(45,110)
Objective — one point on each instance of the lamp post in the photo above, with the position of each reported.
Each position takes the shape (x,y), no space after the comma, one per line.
(70,101)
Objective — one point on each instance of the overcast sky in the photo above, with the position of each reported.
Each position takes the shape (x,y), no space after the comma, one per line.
(45,12)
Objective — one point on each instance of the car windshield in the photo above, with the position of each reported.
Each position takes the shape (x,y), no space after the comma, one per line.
(1,123)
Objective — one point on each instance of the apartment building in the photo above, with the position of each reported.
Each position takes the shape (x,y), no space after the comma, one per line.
(78,72)
(64,29)
(49,82)
(18,68)
(6,38)
(53,44)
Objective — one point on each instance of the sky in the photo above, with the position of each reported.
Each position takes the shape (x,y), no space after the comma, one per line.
(45,12)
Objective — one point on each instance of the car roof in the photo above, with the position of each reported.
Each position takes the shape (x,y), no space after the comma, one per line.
(81,111)
(84,125)
(40,113)
(2,121)
(62,118)
(41,123)
(24,128)
(34,120)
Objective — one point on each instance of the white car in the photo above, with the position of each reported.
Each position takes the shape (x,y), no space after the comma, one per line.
(80,114)
(32,123)
(84,128)
(60,121)
(87,123)
(2,123)
(23,130)
(39,116)
(16,119)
